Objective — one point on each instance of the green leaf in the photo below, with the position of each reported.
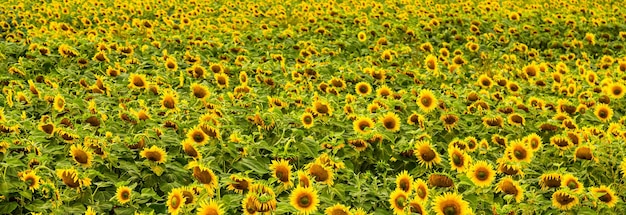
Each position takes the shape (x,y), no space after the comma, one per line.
(7,207)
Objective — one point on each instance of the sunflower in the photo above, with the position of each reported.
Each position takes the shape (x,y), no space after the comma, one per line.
(175,201)
(404,182)
(449,121)
(197,136)
(450,204)
(248,204)
(427,101)
(564,200)
(322,108)
(549,180)
(606,195)
(264,198)
(481,173)
(154,154)
(100,57)
(416,119)
(571,182)
(307,120)
(204,175)
(31,178)
(508,186)
(123,194)
(484,81)
(199,91)
(337,209)
(66,51)
(603,112)
(239,184)
(416,207)
(222,80)
(518,151)
(82,155)
(615,90)
(170,64)
(169,99)
(189,147)
(459,160)
(320,173)
(211,207)
(363,125)
(430,63)
(440,180)
(363,88)
(561,142)
(391,121)
(47,128)
(281,170)
(70,178)
(534,141)
(398,200)
(421,190)
(304,180)
(426,155)
(304,199)
(59,103)
(585,152)
(361,36)
(383,91)
(516,119)
(90,211)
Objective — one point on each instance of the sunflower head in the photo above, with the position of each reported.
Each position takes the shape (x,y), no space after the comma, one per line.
(81,155)
(426,154)
(199,91)
(320,173)
(481,173)
(421,190)
(615,90)
(304,199)
(322,108)
(427,101)
(204,175)
(550,180)
(440,180)
(399,200)
(175,201)
(31,178)
(239,184)
(210,207)
(390,121)
(363,88)
(430,63)
(59,103)
(197,136)
(155,154)
(459,160)
(564,200)
(404,182)
(338,209)
(281,170)
(603,112)
(571,182)
(605,195)
(518,151)
(170,64)
(307,120)
(190,149)
(363,125)
(123,194)
(449,121)
(508,186)
(450,204)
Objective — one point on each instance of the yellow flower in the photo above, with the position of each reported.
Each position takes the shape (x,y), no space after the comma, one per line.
(155,154)
(427,101)
(210,208)
(307,120)
(564,200)
(459,160)
(137,81)
(123,194)
(31,178)
(398,200)
(239,184)
(391,122)
(59,103)
(204,175)
(606,195)
(175,201)
(426,155)
(363,125)
(450,204)
(481,173)
(603,112)
(81,155)
(304,199)
(337,209)
(281,170)
(508,186)
(404,182)
(363,88)
(430,63)
(320,173)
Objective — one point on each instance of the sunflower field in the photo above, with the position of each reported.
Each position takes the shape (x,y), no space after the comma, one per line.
(337,107)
